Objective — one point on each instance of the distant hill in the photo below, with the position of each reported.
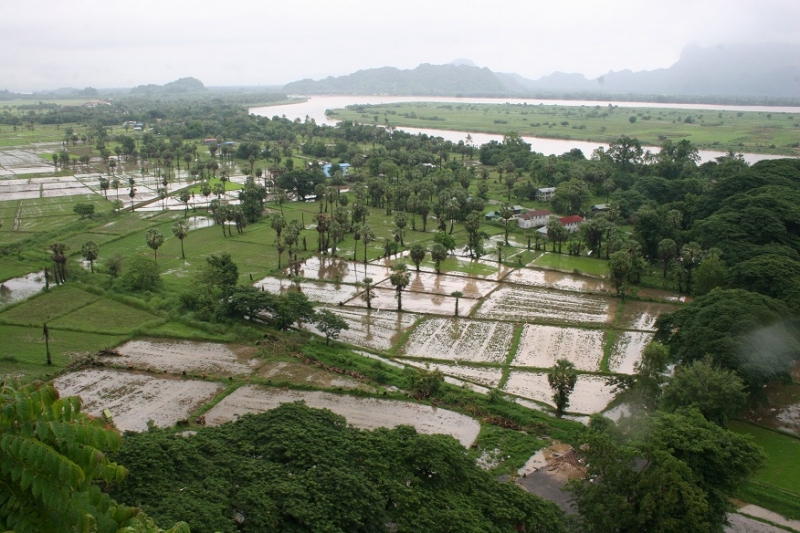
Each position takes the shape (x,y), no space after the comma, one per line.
(181,86)
(425,80)
(739,70)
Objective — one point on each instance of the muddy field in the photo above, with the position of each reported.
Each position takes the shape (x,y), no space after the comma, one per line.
(299,374)
(542,346)
(526,304)
(335,269)
(192,357)
(552,279)
(460,340)
(591,394)
(485,376)
(378,330)
(627,351)
(17,289)
(317,291)
(133,399)
(445,285)
(642,315)
(363,413)
(41,187)
(417,302)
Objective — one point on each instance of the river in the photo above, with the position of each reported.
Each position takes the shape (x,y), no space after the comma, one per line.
(314,108)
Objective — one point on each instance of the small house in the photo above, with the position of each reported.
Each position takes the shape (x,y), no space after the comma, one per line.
(572,223)
(545,194)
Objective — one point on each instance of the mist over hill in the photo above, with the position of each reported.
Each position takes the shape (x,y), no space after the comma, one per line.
(768,70)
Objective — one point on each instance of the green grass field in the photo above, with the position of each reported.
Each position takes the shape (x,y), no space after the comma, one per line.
(47,306)
(782,468)
(105,316)
(22,351)
(761,132)
(570,263)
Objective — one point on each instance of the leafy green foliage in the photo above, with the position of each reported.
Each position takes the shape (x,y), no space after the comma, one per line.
(717,393)
(562,378)
(674,476)
(298,469)
(740,330)
(330,324)
(140,274)
(51,461)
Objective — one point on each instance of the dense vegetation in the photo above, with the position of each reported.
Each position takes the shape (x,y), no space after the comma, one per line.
(299,469)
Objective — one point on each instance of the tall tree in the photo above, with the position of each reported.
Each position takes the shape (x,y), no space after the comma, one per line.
(562,378)
(457,295)
(400,278)
(181,229)
(90,251)
(438,254)
(154,240)
(330,324)
(417,254)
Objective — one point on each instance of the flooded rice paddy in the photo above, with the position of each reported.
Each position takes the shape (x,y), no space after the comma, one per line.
(490,377)
(362,413)
(541,346)
(552,279)
(317,291)
(191,357)
(18,289)
(335,269)
(643,315)
(627,351)
(520,304)
(133,399)
(591,394)
(416,302)
(445,285)
(378,330)
(460,340)
(300,374)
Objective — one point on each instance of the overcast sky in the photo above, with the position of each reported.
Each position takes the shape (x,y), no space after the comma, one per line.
(47,44)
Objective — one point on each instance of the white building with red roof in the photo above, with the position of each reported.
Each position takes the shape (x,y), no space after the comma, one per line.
(572,223)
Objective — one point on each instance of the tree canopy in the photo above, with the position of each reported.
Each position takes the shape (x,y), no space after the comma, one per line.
(297,469)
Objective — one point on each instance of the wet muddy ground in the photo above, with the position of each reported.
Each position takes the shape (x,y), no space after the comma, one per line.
(186,356)
(133,399)
(378,330)
(520,304)
(460,340)
(363,413)
(541,346)
(591,394)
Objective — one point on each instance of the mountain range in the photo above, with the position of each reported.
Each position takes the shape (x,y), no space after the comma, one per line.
(770,70)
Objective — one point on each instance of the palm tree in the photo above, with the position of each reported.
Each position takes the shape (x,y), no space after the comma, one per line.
(456,295)
(154,240)
(181,229)
(59,261)
(438,254)
(367,292)
(417,254)
(89,251)
(367,236)
(400,278)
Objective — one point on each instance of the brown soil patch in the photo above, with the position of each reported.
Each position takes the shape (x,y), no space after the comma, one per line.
(133,398)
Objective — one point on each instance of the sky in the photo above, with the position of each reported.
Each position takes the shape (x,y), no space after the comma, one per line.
(48,44)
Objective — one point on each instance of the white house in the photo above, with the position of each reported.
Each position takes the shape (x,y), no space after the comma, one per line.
(545,194)
(533,219)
